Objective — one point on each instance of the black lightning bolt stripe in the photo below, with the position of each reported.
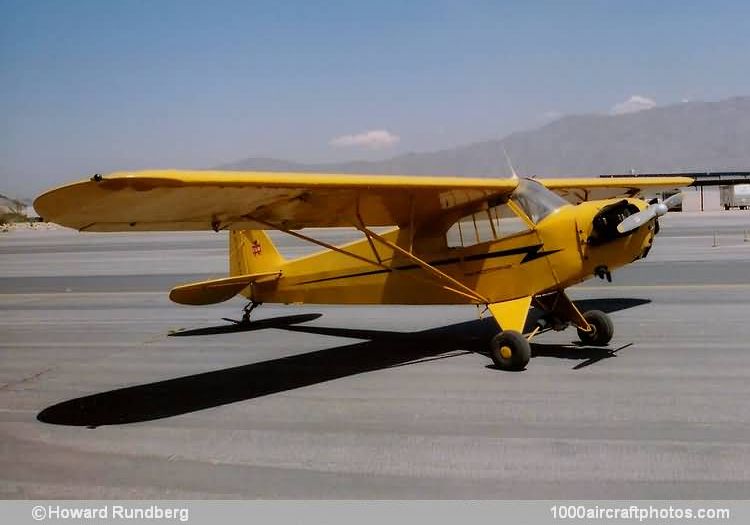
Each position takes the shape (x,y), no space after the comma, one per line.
(531,253)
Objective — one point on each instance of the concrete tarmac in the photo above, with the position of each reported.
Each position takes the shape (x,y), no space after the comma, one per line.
(97,400)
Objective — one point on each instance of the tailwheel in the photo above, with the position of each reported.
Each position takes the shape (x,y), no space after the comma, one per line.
(246,311)
(601,331)
(510,350)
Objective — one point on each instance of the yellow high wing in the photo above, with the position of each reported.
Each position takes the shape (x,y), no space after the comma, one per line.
(173,200)
(590,189)
(203,200)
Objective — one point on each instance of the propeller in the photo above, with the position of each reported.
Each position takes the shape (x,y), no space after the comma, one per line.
(513,173)
(632,222)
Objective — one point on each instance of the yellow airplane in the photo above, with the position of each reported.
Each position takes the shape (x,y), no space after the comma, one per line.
(503,244)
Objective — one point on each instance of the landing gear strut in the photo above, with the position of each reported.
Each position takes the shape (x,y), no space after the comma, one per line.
(511,350)
(594,326)
(601,326)
(246,310)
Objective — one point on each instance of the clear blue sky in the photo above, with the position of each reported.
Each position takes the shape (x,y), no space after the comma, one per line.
(95,86)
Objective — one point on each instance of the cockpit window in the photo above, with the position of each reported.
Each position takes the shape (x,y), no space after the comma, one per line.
(485,225)
(535,200)
(498,220)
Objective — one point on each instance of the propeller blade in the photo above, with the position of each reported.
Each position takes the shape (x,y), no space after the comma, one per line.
(636,220)
(674,200)
(513,173)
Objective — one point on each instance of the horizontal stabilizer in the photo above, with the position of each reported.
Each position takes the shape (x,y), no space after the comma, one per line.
(216,290)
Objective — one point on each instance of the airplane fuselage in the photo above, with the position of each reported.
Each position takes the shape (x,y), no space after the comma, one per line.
(557,253)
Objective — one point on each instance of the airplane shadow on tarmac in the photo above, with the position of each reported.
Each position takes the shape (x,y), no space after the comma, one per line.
(380,349)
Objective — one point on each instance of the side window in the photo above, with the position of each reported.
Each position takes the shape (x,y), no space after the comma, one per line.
(485,225)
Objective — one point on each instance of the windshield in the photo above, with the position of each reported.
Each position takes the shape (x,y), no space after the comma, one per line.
(536,200)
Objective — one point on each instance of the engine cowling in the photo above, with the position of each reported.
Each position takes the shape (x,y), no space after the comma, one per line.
(606,221)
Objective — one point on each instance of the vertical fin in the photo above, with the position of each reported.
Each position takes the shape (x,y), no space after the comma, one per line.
(252,251)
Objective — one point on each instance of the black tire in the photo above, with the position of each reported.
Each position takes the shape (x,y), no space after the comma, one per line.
(510,350)
(602,329)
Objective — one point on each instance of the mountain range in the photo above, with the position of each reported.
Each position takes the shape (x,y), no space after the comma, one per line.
(689,136)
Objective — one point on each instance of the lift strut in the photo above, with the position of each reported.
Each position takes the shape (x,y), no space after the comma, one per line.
(433,274)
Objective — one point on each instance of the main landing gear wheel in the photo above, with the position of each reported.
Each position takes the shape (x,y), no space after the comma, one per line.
(602,329)
(510,350)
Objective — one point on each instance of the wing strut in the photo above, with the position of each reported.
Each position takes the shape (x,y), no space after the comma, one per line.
(455,286)
(322,243)
(369,241)
(432,272)
(558,303)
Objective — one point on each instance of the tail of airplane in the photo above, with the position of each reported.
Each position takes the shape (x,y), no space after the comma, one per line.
(252,251)
(252,258)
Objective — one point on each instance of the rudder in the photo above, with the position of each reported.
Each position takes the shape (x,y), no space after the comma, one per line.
(252,251)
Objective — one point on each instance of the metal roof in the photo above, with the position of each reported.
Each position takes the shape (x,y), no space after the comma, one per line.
(704,178)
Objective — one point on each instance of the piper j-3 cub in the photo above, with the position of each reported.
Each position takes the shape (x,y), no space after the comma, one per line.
(503,244)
